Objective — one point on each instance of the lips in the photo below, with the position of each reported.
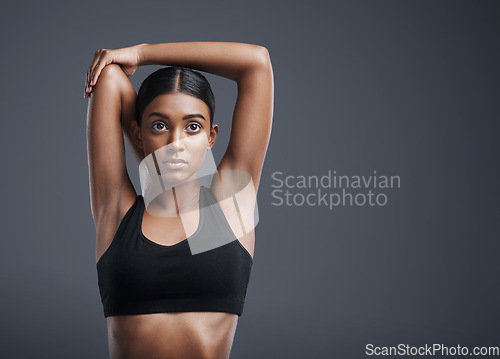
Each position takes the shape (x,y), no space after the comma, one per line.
(174,160)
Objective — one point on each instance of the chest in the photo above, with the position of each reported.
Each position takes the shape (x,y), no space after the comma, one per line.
(168,231)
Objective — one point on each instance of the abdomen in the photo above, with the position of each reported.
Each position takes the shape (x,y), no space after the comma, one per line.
(186,335)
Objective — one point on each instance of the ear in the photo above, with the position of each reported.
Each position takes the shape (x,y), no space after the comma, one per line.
(134,139)
(135,131)
(213,135)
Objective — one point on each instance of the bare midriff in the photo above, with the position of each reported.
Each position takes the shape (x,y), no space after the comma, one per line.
(189,335)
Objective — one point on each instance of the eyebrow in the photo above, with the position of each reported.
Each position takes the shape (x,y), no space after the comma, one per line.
(187,117)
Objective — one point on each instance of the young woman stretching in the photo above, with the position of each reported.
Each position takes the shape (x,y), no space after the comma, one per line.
(174,262)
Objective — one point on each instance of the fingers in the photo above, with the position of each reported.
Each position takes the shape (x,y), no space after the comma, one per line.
(85,89)
(90,77)
(95,61)
(97,72)
(98,65)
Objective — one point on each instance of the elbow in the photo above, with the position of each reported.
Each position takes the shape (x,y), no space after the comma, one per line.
(264,59)
(258,62)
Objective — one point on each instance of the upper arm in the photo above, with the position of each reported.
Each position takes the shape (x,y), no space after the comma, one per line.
(108,175)
(252,119)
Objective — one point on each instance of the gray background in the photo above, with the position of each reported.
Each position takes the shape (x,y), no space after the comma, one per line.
(407,88)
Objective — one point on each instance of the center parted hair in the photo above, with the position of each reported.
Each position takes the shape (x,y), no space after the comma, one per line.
(174,79)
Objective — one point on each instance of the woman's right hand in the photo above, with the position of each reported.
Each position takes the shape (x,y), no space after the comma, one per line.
(128,58)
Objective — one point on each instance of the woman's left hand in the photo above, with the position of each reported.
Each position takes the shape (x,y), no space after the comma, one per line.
(128,58)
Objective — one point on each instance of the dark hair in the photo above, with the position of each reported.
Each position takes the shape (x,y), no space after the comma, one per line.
(174,79)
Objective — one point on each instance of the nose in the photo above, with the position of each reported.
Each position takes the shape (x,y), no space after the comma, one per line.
(175,141)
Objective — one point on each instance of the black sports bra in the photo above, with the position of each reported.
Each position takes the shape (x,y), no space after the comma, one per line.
(139,276)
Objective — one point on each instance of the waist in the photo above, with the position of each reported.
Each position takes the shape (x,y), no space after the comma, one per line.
(171,335)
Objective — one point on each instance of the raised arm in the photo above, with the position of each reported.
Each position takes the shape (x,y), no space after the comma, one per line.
(250,66)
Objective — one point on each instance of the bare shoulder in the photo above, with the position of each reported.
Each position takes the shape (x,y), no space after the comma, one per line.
(235,192)
(228,183)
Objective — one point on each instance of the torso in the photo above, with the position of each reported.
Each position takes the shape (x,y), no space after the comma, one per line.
(166,335)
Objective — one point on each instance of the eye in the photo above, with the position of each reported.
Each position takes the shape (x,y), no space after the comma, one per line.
(194,127)
(159,124)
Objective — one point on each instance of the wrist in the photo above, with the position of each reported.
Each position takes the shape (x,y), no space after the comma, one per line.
(140,54)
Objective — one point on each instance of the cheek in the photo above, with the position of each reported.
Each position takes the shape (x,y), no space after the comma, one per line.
(197,149)
(148,143)
(197,145)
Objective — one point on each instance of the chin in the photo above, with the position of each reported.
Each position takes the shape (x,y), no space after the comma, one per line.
(176,177)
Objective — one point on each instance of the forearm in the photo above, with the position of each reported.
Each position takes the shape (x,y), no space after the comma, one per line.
(227,59)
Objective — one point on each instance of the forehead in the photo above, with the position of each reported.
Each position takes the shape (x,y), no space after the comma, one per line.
(177,104)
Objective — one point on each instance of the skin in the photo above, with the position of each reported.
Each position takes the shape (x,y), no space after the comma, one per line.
(110,119)
(188,139)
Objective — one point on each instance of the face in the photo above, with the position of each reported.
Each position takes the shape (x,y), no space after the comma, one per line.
(175,130)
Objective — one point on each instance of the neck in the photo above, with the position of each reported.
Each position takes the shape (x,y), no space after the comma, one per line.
(173,201)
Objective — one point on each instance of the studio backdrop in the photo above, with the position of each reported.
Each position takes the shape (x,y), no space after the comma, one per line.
(378,203)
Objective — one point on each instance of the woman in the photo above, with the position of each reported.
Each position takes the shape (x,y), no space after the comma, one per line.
(164,295)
